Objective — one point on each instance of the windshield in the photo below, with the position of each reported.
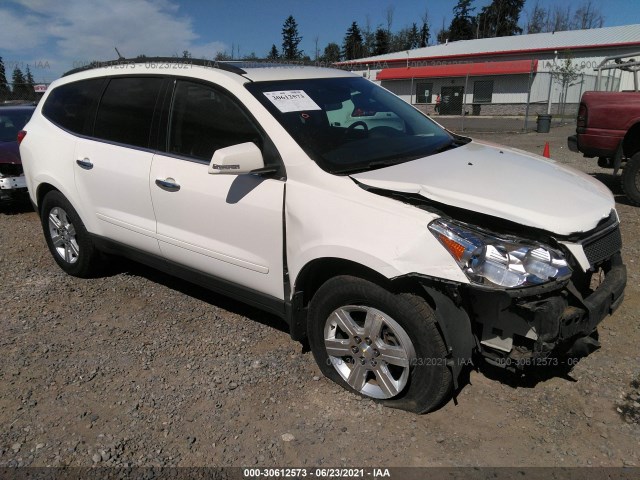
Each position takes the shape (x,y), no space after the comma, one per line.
(350,124)
(12,120)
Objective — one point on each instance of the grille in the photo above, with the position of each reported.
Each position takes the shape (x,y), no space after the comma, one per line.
(603,247)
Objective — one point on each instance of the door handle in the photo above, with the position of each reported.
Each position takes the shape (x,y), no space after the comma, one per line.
(85,163)
(168,184)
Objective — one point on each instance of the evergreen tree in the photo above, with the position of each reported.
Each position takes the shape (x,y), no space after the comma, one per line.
(4,86)
(273,53)
(381,44)
(29,83)
(331,53)
(461,27)
(424,35)
(20,90)
(413,37)
(352,46)
(499,19)
(290,39)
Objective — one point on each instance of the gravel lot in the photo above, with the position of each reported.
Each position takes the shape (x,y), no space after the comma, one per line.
(136,368)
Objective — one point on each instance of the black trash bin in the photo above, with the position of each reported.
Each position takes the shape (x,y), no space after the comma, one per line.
(544,123)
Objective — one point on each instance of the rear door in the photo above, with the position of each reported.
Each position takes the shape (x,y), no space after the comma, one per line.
(112,168)
(228,226)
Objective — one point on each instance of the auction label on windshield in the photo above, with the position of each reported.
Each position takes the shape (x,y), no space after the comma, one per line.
(292,101)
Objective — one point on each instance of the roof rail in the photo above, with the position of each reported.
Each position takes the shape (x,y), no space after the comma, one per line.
(147,60)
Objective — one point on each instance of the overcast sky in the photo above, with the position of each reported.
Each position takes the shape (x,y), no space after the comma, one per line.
(52,37)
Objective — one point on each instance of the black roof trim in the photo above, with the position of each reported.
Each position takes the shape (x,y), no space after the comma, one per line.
(146,60)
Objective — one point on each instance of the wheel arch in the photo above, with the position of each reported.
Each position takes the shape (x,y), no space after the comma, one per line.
(318,271)
(42,191)
(631,141)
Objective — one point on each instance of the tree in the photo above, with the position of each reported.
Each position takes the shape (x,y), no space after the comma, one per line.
(424,35)
(331,53)
(499,19)
(19,90)
(537,19)
(186,54)
(290,39)
(29,83)
(223,56)
(369,38)
(390,10)
(352,46)
(559,20)
(425,30)
(566,73)
(4,86)
(587,16)
(273,53)
(382,44)
(413,37)
(316,39)
(461,27)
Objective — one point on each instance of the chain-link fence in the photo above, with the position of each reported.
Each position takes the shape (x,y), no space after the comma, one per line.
(21,93)
(518,97)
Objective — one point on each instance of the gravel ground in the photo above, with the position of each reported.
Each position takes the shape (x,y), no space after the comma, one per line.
(136,368)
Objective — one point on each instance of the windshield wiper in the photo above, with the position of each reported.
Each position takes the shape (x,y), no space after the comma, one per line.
(370,166)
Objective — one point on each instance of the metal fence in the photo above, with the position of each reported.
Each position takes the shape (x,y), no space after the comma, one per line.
(519,97)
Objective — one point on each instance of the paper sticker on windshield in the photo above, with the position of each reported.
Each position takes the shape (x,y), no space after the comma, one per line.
(292,101)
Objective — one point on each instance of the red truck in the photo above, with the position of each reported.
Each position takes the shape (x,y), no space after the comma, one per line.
(608,127)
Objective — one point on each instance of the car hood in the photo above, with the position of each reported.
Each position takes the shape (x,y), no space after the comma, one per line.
(9,152)
(502,182)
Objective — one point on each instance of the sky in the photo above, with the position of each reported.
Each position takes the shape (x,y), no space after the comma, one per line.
(53,37)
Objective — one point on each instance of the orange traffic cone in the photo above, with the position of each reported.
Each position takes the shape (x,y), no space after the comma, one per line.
(545,153)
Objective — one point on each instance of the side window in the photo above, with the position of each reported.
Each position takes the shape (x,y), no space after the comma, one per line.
(69,106)
(204,119)
(482,91)
(126,110)
(424,92)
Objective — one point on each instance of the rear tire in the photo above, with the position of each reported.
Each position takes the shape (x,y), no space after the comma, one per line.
(631,179)
(67,238)
(380,345)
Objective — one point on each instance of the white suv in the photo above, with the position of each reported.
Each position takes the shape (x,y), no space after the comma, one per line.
(400,250)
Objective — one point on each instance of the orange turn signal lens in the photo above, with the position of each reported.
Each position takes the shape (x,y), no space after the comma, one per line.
(454,247)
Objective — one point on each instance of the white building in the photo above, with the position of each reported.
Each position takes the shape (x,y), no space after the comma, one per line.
(502,75)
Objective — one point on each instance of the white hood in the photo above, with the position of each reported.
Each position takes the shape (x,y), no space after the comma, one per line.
(502,182)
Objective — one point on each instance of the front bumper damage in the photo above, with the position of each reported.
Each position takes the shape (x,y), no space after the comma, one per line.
(526,327)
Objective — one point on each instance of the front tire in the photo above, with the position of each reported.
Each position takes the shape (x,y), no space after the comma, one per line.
(631,179)
(67,238)
(378,344)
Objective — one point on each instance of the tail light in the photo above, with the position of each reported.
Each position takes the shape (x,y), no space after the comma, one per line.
(21,135)
(582,116)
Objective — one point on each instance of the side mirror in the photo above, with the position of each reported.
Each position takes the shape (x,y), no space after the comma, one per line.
(236,159)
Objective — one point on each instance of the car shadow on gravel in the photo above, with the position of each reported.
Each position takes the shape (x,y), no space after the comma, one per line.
(528,378)
(121,265)
(15,207)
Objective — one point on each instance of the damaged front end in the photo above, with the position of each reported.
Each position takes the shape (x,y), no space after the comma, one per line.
(533,296)
(526,327)
(12,180)
(527,324)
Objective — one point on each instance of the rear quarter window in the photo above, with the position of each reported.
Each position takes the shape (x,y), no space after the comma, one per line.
(69,106)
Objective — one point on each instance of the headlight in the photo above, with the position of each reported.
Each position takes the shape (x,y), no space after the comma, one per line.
(490,260)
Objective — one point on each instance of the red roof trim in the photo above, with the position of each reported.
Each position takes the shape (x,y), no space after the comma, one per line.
(485,54)
(460,70)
